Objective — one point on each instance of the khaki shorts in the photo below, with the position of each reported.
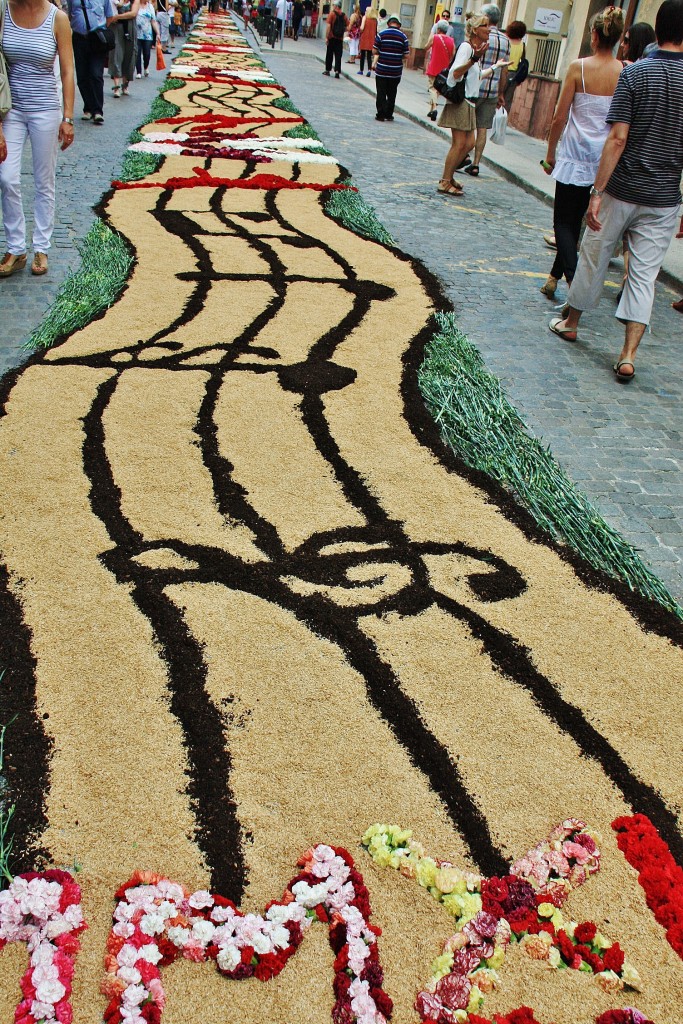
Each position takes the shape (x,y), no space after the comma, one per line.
(485,109)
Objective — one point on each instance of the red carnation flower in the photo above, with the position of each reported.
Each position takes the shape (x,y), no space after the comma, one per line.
(342,983)
(247,954)
(342,960)
(344,854)
(169,951)
(382,1002)
(321,913)
(222,901)
(585,933)
(613,958)
(565,945)
(337,937)
(269,966)
(495,888)
(491,907)
(68,943)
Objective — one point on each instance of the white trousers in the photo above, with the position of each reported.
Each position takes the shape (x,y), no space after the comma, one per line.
(41,127)
(649,230)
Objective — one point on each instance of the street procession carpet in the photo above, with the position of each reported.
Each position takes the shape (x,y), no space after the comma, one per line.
(263,635)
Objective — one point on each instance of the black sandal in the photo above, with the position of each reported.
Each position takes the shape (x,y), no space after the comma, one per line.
(473,169)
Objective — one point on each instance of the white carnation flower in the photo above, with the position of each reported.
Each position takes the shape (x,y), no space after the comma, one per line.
(309,895)
(127,955)
(130,975)
(179,936)
(134,995)
(201,899)
(150,952)
(228,958)
(152,924)
(203,930)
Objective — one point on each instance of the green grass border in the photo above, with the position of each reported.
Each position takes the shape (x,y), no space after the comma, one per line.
(482,427)
(105,265)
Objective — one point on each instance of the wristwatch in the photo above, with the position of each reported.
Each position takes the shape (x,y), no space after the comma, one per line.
(68,120)
(597,191)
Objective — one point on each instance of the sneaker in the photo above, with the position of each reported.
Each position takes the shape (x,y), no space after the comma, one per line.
(138,75)
(360,72)
(85,116)
(379,118)
(11,264)
(326,73)
(146,73)
(98,119)
(336,74)
(368,74)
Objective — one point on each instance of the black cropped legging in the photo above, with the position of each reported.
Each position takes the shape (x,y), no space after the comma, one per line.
(571,203)
(365,55)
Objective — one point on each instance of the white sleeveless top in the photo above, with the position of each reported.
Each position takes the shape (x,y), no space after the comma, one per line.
(30,54)
(580,149)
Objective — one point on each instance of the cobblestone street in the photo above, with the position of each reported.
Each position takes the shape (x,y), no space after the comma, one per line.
(622,445)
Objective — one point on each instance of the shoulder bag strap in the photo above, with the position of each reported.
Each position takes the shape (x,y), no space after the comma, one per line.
(3,6)
(85,15)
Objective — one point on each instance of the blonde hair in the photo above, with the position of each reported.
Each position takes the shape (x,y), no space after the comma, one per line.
(475,21)
(609,26)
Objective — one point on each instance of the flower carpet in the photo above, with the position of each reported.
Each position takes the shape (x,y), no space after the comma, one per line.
(307,721)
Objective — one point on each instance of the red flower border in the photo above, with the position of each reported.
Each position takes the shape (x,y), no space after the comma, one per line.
(658,873)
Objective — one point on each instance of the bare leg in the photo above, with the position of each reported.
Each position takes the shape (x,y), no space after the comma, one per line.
(461,144)
(479,145)
(634,333)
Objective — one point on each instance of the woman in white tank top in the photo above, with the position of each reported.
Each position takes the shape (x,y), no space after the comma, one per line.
(580,119)
(34,33)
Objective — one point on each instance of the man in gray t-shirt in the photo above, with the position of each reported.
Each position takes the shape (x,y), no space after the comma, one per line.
(636,189)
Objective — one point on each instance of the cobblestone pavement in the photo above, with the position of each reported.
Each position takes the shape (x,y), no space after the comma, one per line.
(621,444)
(85,172)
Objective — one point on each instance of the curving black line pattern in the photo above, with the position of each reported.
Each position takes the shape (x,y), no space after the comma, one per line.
(25,778)
(209,783)
(312,379)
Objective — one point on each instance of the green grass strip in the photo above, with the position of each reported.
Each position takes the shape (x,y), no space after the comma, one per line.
(351,210)
(162,107)
(105,265)
(484,429)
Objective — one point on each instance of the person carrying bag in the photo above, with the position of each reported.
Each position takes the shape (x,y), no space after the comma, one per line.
(90,21)
(461,90)
(101,39)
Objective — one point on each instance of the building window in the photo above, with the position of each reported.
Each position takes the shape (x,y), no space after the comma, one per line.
(407,16)
(546,57)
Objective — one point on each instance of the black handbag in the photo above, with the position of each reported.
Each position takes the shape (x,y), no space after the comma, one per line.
(452,93)
(100,40)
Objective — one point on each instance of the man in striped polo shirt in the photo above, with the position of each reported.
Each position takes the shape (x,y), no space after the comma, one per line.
(390,50)
(637,188)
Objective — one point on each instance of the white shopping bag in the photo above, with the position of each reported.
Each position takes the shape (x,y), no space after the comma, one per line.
(499,127)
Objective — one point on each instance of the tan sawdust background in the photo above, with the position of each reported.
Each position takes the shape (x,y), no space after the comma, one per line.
(312,760)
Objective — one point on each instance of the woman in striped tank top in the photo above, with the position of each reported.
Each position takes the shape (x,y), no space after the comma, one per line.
(34,33)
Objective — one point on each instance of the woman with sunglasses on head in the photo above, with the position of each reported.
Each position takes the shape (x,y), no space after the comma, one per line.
(580,122)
